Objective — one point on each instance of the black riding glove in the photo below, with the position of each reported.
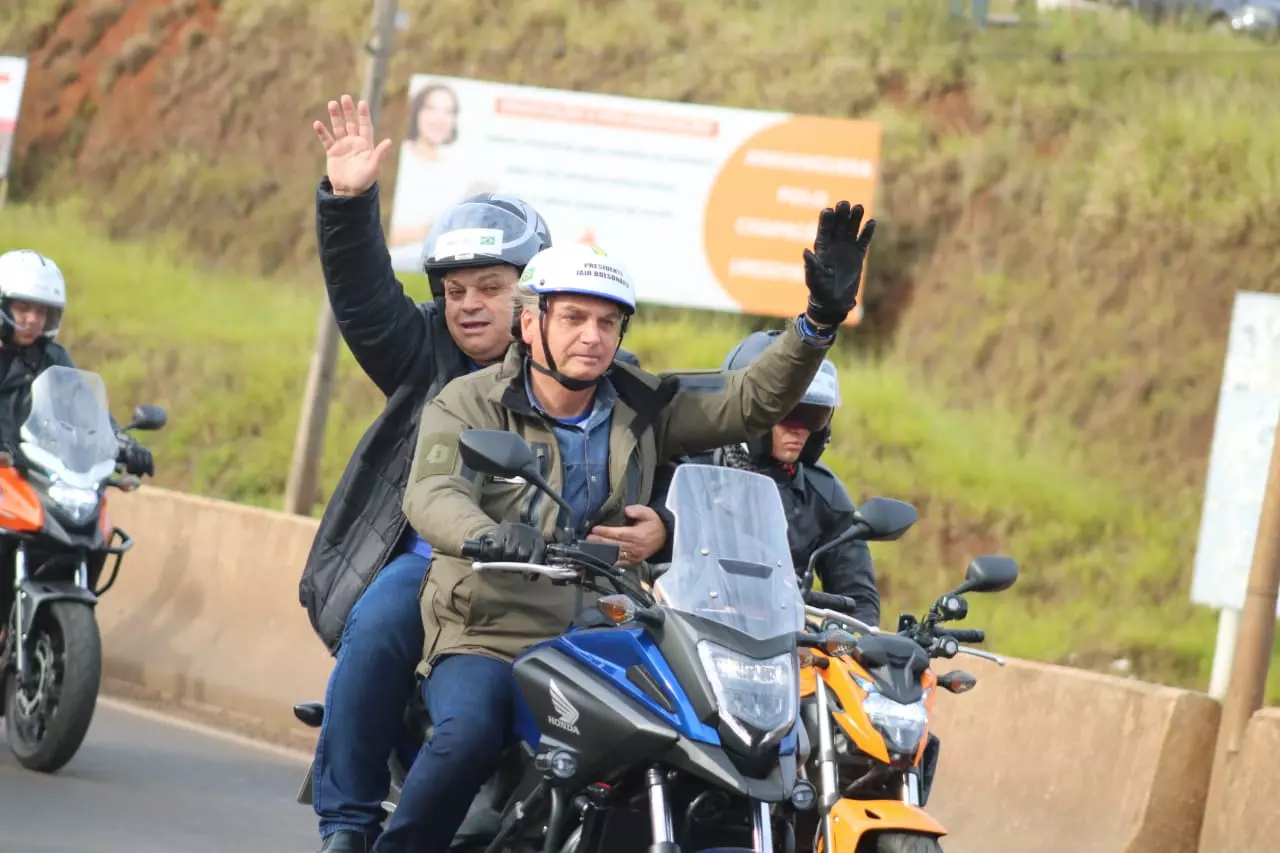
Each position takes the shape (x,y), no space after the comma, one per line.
(136,458)
(833,268)
(512,542)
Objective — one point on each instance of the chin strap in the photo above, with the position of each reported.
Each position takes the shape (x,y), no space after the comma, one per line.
(551,370)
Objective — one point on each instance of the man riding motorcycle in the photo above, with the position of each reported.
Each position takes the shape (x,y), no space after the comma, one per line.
(366,565)
(33,298)
(817,506)
(600,430)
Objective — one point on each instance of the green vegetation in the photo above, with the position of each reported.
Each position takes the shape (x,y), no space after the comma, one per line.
(1067,211)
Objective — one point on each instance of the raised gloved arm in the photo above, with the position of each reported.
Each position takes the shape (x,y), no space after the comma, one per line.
(833,268)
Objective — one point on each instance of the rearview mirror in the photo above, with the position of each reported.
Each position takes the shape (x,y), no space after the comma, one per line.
(499,453)
(147,417)
(887,518)
(989,574)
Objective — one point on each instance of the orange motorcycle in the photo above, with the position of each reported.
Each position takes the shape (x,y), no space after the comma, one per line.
(866,701)
(55,539)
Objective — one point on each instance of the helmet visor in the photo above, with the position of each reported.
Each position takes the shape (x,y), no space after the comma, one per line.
(807,416)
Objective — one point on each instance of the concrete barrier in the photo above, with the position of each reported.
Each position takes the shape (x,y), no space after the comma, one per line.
(1059,760)
(1247,820)
(205,612)
(1037,758)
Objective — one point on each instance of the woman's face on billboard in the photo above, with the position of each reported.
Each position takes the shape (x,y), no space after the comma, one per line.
(437,117)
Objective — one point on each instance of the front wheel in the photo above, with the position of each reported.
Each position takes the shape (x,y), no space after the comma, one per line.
(47,720)
(901,842)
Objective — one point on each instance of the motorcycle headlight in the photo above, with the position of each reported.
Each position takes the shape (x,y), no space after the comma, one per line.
(902,725)
(750,692)
(79,504)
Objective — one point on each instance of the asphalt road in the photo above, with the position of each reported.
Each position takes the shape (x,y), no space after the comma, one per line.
(142,783)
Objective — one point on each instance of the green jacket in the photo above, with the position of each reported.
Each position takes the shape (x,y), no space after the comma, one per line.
(654,419)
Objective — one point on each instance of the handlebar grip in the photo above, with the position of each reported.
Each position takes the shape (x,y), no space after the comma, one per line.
(841,603)
(968,635)
(471,549)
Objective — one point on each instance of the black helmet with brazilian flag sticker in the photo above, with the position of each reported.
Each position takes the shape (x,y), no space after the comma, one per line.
(481,231)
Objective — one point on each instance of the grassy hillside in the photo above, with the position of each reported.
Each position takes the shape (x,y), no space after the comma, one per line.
(1068,210)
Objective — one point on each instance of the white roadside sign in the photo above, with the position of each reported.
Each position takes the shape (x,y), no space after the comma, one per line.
(1248,410)
(13,76)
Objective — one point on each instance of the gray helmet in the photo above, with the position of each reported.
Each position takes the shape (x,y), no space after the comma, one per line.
(480,231)
(817,405)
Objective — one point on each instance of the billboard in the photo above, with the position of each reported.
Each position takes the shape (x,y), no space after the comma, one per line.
(709,207)
(13,76)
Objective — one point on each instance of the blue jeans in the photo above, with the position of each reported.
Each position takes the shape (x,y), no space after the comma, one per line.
(371,683)
(472,704)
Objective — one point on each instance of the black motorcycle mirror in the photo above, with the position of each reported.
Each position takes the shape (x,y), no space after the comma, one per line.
(854,532)
(887,518)
(499,453)
(877,520)
(989,574)
(147,417)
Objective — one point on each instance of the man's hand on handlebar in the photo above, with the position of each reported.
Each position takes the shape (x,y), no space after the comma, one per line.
(508,542)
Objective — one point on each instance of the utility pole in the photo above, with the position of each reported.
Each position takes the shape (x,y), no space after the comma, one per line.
(299,495)
(1247,686)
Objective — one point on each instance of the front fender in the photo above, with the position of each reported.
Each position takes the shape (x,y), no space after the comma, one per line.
(851,820)
(35,594)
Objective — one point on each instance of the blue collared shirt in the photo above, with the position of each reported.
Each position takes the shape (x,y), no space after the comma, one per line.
(584,452)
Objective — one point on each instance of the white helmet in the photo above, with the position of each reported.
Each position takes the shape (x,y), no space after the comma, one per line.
(28,276)
(579,268)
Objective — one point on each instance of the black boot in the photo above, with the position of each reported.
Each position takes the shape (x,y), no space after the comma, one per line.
(347,841)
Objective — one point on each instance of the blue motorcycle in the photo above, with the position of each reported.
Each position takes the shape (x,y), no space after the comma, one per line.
(664,719)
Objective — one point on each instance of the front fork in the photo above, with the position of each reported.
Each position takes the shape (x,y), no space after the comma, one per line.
(660,824)
(828,792)
(910,788)
(20,630)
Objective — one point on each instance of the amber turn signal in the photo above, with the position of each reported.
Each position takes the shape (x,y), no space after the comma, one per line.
(840,642)
(957,681)
(617,608)
(127,483)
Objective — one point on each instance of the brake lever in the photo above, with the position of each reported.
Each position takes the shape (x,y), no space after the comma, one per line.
(985,655)
(842,618)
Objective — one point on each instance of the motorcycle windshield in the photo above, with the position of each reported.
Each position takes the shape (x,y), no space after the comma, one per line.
(731,562)
(69,420)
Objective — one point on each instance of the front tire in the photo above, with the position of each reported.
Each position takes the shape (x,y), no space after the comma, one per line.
(47,723)
(903,842)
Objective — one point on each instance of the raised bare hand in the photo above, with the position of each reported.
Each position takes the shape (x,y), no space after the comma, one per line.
(352,158)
